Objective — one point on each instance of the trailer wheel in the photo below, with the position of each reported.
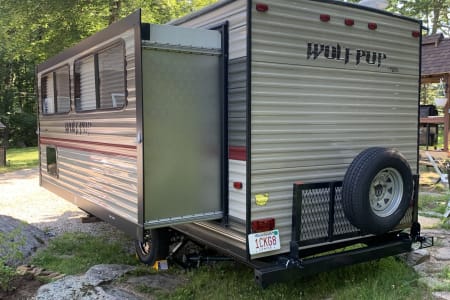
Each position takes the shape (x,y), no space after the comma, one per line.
(377,190)
(154,247)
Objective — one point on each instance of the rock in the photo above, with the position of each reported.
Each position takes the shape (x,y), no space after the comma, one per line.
(119,294)
(70,287)
(18,240)
(23,269)
(92,285)
(417,257)
(441,295)
(428,268)
(430,283)
(442,253)
(104,273)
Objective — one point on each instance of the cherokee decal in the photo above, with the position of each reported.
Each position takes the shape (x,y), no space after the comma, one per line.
(77,127)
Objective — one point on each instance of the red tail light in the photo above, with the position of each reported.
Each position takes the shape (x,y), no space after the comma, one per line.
(262,7)
(415,34)
(262,225)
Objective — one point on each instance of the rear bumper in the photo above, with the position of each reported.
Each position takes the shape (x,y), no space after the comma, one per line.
(286,268)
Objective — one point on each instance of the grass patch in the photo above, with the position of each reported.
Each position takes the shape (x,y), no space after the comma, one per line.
(435,203)
(75,253)
(20,158)
(385,279)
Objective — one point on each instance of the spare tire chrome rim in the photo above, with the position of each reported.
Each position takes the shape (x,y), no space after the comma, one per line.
(386,192)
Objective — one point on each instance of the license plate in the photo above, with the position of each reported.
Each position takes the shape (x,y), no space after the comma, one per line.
(266,241)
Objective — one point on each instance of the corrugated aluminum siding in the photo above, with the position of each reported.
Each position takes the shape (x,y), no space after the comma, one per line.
(100,164)
(310,118)
(235,13)
(237,203)
(107,181)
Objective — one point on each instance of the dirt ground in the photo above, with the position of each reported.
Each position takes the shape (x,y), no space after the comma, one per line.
(24,287)
(22,198)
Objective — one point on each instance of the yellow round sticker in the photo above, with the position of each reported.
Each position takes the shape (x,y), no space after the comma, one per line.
(261,199)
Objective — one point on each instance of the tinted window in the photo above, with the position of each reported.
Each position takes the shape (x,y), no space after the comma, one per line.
(85,97)
(62,81)
(100,80)
(111,69)
(55,91)
(48,96)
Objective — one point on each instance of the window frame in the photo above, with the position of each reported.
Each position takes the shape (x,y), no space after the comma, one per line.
(55,91)
(94,54)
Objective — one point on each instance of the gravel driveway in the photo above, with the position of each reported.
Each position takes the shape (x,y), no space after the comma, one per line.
(22,198)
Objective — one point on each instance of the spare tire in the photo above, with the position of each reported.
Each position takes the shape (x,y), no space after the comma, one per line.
(377,190)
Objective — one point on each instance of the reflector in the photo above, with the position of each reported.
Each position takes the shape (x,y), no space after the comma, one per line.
(262,7)
(325,18)
(237,185)
(372,26)
(349,22)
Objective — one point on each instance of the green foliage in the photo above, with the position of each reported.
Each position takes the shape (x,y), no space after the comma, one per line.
(33,31)
(7,274)
(434,13)
(74,253)
(10,250)
(386,279)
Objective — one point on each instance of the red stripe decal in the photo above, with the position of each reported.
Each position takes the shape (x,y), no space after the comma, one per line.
(237,153)
(97,147)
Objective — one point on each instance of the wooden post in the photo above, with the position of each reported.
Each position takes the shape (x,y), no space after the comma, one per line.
(446,115)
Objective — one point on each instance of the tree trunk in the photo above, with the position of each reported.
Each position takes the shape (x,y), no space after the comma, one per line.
(437,7)
(114,10)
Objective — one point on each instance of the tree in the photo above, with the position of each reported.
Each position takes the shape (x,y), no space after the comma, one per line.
(434,13)
(32,31)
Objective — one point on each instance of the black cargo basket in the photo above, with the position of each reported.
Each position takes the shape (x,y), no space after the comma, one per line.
(317,214)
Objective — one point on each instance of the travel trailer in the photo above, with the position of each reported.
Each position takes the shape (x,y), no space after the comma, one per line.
(273,131)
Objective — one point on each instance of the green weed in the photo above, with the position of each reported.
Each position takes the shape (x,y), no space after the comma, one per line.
(433,202)
(75,253)
(385,279)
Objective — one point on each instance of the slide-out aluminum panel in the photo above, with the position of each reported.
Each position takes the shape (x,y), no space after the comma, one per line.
(182,125)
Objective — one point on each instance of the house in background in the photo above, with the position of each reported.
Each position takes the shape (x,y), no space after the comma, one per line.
(436,66)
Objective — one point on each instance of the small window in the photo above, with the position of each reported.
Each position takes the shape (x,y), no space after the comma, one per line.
(55,91)
(52,167)
(111,68)
(100,80)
